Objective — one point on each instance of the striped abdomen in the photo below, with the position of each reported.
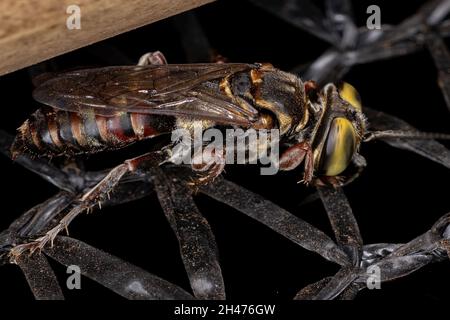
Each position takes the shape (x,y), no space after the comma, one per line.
(55,132)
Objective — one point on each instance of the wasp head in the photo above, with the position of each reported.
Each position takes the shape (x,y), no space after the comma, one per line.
(339,130)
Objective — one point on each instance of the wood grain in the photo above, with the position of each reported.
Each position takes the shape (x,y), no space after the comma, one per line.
(35,30)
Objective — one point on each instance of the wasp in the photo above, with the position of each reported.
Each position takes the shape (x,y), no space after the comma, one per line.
(94,110)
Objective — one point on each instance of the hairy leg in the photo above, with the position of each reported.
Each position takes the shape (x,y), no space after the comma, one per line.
(294,156)
(152,58)
(208,166)
(93,197)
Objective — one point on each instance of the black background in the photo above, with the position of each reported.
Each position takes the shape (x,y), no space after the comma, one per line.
(398,197)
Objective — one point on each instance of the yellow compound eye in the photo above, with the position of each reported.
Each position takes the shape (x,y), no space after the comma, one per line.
(339,147)
(349,94)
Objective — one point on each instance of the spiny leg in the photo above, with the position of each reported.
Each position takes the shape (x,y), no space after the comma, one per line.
(309,165)
(86,202)
(294,156)
(155,58)
(210,163)
(93,197)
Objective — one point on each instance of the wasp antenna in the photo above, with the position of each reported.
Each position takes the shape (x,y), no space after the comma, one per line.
(395,134)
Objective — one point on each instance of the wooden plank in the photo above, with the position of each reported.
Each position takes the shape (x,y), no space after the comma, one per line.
(35,30)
